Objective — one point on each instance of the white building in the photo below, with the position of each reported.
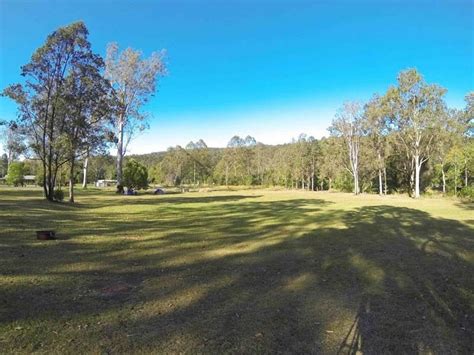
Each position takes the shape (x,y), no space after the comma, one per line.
(105,183)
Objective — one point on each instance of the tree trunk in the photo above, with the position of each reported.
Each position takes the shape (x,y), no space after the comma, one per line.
(444,179)
(226,175)
(71,181)
(49,181)
(120,153)
(380,183)
(466,174)
(455,180)
(385,180)
(330,184)
(84,170)
(50,186)
(417,176)
(356,182)
(9,157)
(45,188)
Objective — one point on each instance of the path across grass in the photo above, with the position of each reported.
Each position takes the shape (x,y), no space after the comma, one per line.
(244,272)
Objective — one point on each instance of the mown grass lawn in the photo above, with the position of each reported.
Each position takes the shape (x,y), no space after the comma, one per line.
(237,271)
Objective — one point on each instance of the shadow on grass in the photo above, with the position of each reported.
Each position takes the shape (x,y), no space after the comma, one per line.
(467,205)
(243,275)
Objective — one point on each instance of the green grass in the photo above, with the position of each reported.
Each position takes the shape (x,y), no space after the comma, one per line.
(237,271)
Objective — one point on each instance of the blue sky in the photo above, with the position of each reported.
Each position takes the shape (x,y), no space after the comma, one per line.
(271,69)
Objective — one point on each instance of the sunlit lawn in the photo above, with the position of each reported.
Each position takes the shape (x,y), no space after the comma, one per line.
(236,271)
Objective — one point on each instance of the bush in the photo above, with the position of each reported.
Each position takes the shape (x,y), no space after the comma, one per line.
(15,174)
(344,183)
(135,175)
(39,178)
(467,193)
(58,195)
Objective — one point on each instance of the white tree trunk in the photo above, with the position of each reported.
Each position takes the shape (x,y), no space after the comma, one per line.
(354,161)
(120,153)
(444,179)
(9,158)
(71,182)
(380,183)
(357,191)
(226,175)
(417,176)
(84,170)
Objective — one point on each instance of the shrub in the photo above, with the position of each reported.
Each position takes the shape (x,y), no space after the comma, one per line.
(135,175)
(467,193)
(39,178)
(58,195)
(15,174)
(119,189)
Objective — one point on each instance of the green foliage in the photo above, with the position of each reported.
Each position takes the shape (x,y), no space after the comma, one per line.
(155,174)
(135,175)
(15,174)
(467,193)
(416,110)
(63,101)
(344,182)
(39,178)
(100,167)
(134,80)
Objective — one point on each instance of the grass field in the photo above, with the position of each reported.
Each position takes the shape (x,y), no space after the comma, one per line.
(237,271)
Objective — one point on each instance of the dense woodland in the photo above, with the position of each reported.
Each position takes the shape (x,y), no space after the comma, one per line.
(78,113)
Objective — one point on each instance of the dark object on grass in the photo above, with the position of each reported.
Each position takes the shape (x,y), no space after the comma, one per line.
(159,192)
(131,191)
(119,189)
(45,235)
(58,195)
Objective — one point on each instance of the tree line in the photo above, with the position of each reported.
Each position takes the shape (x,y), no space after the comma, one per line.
(404,140)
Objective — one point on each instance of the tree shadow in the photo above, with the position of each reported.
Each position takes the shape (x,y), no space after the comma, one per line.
(467,205)
(417,298)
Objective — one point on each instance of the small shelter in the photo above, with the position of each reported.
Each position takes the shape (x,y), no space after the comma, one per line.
(29,179)
(105,183)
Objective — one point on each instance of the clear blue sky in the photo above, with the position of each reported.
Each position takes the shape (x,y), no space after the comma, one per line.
(271,69)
